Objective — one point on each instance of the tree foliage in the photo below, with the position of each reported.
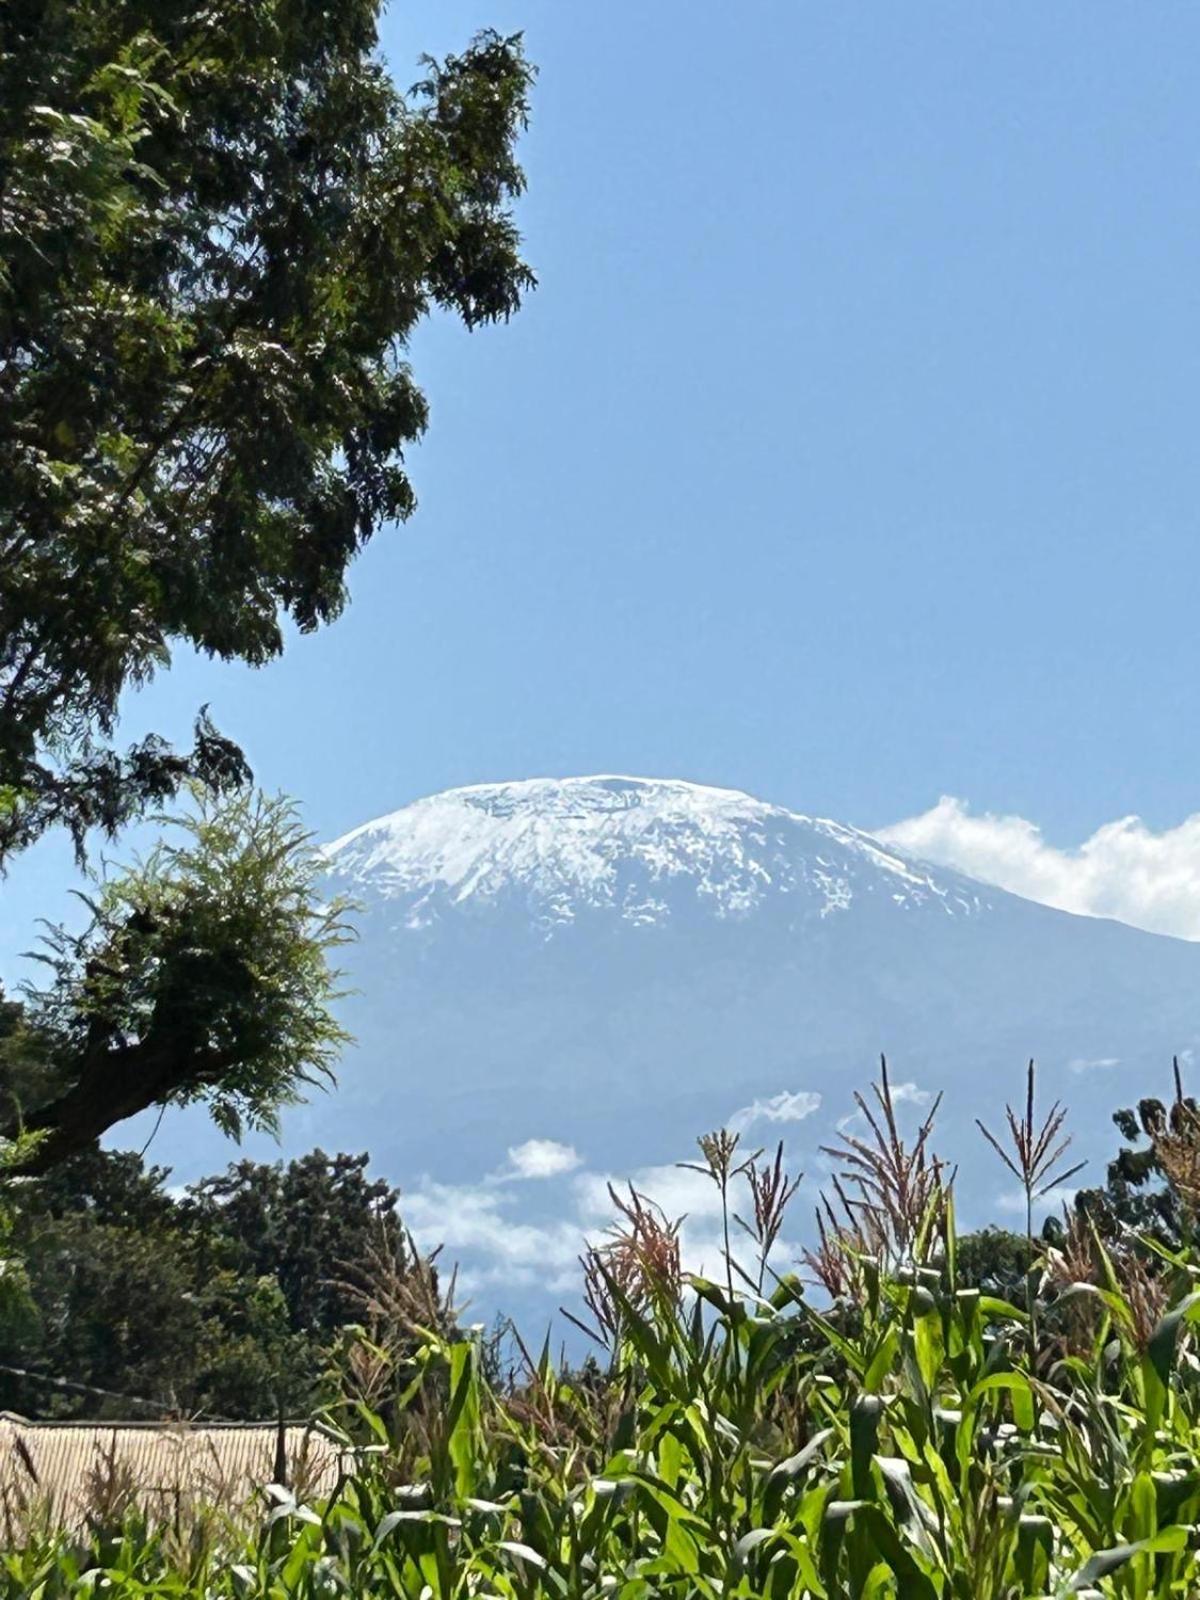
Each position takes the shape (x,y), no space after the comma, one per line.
(203,975)
(220,223)
(223,1301)
(312,1224)
(996,1261)
(1136,1195)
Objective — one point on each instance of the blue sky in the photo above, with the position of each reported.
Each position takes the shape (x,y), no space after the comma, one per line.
(847,453)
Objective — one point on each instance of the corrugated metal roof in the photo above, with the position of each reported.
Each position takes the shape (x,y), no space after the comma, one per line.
(73,1471)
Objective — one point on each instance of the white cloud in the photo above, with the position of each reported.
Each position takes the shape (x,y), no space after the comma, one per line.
(682,1193)
(1124,870)
(1081,1064)
(478,1230)
(786,1106)
(474,1220)
(910,1094)
(477,1225)
(542,1158)
(903,1094)
(678,1191)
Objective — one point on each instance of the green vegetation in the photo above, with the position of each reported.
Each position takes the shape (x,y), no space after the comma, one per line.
(905,1435)
(203,975)
(220,224)
(224,1302)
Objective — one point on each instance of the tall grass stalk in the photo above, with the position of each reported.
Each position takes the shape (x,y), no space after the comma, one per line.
(1037,1152)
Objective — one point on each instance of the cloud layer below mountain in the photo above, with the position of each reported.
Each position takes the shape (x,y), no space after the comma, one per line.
(1124,870)
(486,1231)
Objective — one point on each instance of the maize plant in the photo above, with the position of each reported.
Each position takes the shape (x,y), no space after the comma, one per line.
(747,1439)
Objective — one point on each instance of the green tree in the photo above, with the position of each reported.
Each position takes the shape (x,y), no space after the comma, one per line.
(1135,1195)
(224,1301)
(995,1260)
(203,976)
(220,223)
(312,1224)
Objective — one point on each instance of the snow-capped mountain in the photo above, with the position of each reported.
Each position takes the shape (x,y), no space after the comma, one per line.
(632,846)
(560,980)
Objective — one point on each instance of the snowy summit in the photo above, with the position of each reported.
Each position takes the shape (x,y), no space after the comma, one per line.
(639,847)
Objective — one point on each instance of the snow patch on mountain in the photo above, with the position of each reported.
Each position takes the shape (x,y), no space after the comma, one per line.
(629,845)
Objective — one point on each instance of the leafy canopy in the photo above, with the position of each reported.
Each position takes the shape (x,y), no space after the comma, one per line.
(220,223)
(221,1302)
(203,975)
